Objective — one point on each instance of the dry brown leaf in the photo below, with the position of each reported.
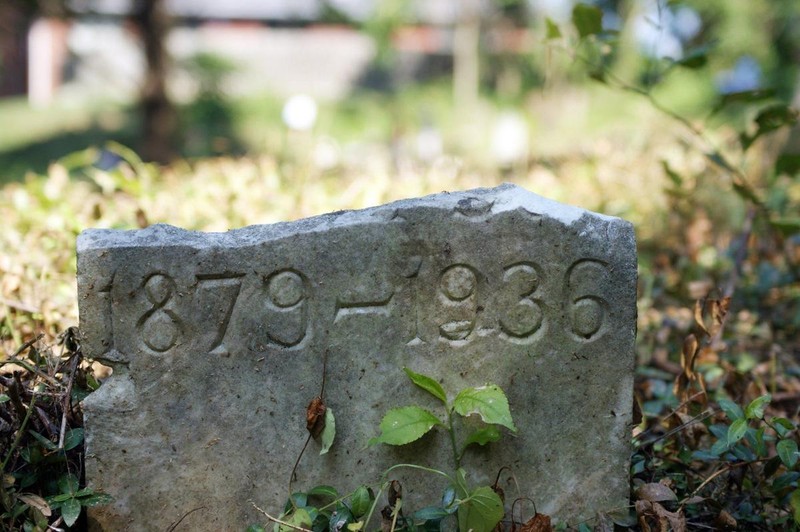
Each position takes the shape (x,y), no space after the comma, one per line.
(688,355)
(719,309)
(395,492)
(662,519)
(537,523)
(726,520)
(675,520)
(655,492)
(34,501)
(315,416)
(698,315)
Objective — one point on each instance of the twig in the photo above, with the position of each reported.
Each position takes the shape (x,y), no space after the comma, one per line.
(26,345)
(276,520)
(20,432)
(184,516)
(293,476)
(664,418)
(67,406)
(720,472)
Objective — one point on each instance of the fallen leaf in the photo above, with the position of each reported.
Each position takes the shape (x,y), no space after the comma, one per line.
(665,521)
(655,492)
(395,493)
(537,523)
(726,520)
(35,501)
(698,315)
(315,416)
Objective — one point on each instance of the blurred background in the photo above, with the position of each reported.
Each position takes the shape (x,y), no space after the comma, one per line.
(676,115)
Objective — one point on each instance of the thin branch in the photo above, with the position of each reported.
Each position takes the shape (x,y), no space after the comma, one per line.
(276,520)
(26,345)
(184,516)
(720,472)
(67,406)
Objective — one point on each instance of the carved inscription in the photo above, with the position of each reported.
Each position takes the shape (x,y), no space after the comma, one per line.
(160,326)
(589,310)
(221,293)
(458,288)
(287,308)
(517,311)
(523,316)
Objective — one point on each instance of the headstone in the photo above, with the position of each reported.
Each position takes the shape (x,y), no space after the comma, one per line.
(217,343)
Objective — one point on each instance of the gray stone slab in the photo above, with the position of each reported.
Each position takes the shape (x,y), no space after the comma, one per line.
(217,343)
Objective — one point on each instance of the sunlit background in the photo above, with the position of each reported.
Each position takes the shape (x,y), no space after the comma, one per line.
(212,115)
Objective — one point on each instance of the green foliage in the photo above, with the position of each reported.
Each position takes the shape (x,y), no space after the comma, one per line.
(404,425)
(41,469)
(477,508)
(328,432)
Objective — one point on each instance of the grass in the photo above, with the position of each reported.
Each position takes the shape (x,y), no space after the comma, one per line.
(597,149)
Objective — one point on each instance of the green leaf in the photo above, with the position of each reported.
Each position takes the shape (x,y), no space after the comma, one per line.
(695,59)
(4,398)
(787,450)
(674,176)
(329,432)
(324,491)
(361,501)
(731,409)
(68,483)
(588,20)
(481,511)
(755,410)
(782,425)
(340,518)
(719,447)
(743,97)
(427,384)
(295,500)
(255,528)
(449,502)
(489,402)
(403,425)
(787,226)
(47,444)
(300,518)
(795,502)
(769,119)
(788,163)
(736,431)
(774,117)
(482,436)
(70,511)
(553,31)
(72,439)
(98,499)
(431,513)
(461,487)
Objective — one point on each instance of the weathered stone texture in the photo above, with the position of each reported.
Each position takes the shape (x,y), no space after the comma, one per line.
(217,344)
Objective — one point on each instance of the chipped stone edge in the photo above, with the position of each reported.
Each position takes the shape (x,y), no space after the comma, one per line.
(470,203)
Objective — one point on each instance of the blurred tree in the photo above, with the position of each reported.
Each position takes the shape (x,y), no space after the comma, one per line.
(159,116)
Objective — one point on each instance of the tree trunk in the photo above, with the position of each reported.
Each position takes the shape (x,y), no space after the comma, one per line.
(159,117)
(466,76)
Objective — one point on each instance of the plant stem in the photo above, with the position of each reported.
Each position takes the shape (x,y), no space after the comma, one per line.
(456,456)
(21,431)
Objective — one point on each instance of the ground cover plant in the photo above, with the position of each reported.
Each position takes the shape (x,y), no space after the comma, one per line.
(715,204)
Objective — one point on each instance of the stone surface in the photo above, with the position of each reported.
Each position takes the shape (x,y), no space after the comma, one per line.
(217,343)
